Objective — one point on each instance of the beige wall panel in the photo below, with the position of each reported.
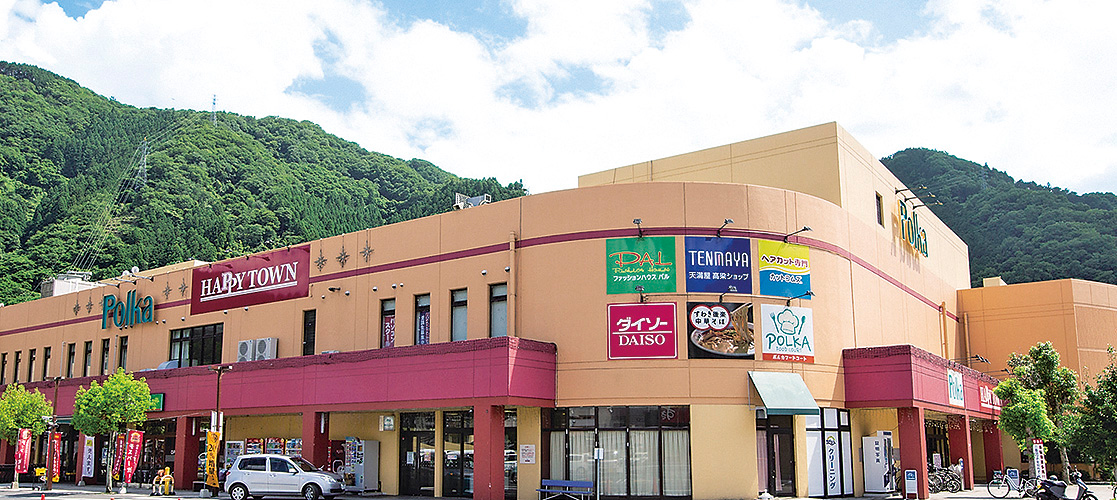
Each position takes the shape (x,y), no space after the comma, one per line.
(866,422)
(548,270)
(830,281)
(823,380)
(725,381)
(868,308)
(768,210)
(654,382)
(728,468)
(529,432)
(704,165)
(397,242)
(469,228)
(265,426)
(366,426)
(606,207)
(708,205)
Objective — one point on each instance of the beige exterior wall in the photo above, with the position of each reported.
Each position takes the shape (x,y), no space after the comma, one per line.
(726,465)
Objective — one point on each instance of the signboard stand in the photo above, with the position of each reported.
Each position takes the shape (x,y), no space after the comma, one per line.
(911,484)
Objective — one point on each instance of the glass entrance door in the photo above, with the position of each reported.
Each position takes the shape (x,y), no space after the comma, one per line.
(416,453)
(775,443)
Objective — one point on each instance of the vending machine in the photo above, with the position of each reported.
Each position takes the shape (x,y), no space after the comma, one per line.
(362,465)
(877,455)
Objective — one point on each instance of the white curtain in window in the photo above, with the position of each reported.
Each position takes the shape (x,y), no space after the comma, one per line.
(643,464)
(581,455)
(676,463)
(613,480)
(558,455)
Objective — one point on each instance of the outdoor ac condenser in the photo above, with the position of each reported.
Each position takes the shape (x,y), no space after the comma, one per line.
(246,350)
(266,348)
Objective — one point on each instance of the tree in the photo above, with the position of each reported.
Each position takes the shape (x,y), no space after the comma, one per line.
(1024,414)
(20,409)
(109,408)
(1096,432)
(1039,370)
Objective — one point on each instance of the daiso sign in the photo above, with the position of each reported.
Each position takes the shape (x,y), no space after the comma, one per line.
(642,331)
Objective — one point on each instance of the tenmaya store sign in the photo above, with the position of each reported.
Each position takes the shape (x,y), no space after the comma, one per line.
(714,265)
(258,279)
(647,262)
(128,312)
(642,331)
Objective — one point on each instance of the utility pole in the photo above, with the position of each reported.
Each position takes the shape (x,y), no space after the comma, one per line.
(52,424)
(218,424)
(213,114)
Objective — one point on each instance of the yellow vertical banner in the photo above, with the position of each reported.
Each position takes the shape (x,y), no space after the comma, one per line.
(213,440)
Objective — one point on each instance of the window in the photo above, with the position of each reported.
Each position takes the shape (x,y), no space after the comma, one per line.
(498,310)
(88,358)
(880,210)
(30,364)
(458,314)
(15,368)
(253,463)
(122,354)
(198,345)
(422,319)
(3,368)
(310,318)
(280,465)
(388,323)
(71,352)
(46,362)
(104,356)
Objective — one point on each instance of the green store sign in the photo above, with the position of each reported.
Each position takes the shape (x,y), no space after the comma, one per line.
(648,262)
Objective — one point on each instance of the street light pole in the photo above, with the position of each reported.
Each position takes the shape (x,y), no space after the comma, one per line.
(52,425)
(217,421)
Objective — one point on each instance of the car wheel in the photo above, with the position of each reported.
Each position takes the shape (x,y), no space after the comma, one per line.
(311,492)
(238,492)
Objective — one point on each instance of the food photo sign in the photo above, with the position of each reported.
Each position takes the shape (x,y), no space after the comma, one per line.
(720,330)
(787,333)
(642,331)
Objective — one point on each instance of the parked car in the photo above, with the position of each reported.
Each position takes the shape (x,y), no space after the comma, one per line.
(258,475)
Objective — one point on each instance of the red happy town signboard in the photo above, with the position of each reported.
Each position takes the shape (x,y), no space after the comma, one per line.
(261,278)
(642,331)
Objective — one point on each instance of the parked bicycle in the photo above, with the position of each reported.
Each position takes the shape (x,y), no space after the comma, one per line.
(1009,480)
(943,479)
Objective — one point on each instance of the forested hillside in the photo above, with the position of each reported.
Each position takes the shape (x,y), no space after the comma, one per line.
(72,162)
(1018,230)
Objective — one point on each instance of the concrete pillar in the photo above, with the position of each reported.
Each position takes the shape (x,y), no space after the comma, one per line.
(80,450)
(913,448)
(186,453)
(316,437)
(958,433)
(994,456)
(488,452)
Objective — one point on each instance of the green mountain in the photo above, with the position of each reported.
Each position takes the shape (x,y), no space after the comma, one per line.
(1018,230)
(89,183)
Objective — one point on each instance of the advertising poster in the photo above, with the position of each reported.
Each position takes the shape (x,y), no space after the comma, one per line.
(714,264)
(648,262)
(720,330)
(787,333)
(956,392)
(213,440)
(23,451)
(1039,462)
(389,332)
(88,459)
(56,455)
(118,457)
(785,269)
(642,331)
(278,275)
(132,451)
(989,399)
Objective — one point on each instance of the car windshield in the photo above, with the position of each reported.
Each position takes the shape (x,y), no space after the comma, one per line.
(304,465)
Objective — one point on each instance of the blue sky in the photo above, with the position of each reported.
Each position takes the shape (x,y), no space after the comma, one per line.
(544,91)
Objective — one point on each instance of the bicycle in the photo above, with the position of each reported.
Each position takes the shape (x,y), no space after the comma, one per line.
(1008,480)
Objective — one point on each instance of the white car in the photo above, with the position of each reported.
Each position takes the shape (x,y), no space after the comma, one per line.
(257,475)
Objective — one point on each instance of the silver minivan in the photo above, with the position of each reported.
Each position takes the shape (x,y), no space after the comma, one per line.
(257,475)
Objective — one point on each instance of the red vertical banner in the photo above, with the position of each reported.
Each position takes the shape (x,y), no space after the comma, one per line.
(132,451)
(23,451)
(56,454)
(118,457)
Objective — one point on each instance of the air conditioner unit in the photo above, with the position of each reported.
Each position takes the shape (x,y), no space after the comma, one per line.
(458,206)
(761,413)
(246,350)
(266,348)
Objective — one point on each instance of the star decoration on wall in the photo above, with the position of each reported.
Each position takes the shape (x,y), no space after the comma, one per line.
(321,260)
(366,252)
(167,292)
(89,306)
(183,288)
(77,307)
(342,257)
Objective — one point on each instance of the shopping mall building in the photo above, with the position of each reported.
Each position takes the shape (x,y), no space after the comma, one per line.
(674,319)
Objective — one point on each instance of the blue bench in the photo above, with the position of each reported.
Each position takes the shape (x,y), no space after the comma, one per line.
(575,490)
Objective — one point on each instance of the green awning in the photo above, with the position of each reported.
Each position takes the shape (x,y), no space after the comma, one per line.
(784,393)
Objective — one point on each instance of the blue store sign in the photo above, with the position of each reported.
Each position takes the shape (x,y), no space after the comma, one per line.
(714,264)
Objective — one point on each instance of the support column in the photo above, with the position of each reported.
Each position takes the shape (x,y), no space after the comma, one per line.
(186,453)
(958,434)
(913,448)
(994,456)
(316,437)
(488,452)
(78,461)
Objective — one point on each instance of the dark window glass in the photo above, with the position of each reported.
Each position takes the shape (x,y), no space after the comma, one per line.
(30,364)
(104,356)
(388,323)
(582,417)
(46,362)
(280,465)
(254,463)
(498,310)
(880,210)
(197,345)
(88,358)
(643,416)
(71,353)
(674,416)
(310,318)
(422,319)
(122,354)
(612,417)
(15,368)
(423,421)
(458,314)
(3,368)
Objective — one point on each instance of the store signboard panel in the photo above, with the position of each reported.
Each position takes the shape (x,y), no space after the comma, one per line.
(720,330)
(785,269)
(787,333)
(642,331)
(262,278)
(715,264)
(648,262)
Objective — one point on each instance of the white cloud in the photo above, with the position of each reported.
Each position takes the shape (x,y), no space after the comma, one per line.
(1020,84)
